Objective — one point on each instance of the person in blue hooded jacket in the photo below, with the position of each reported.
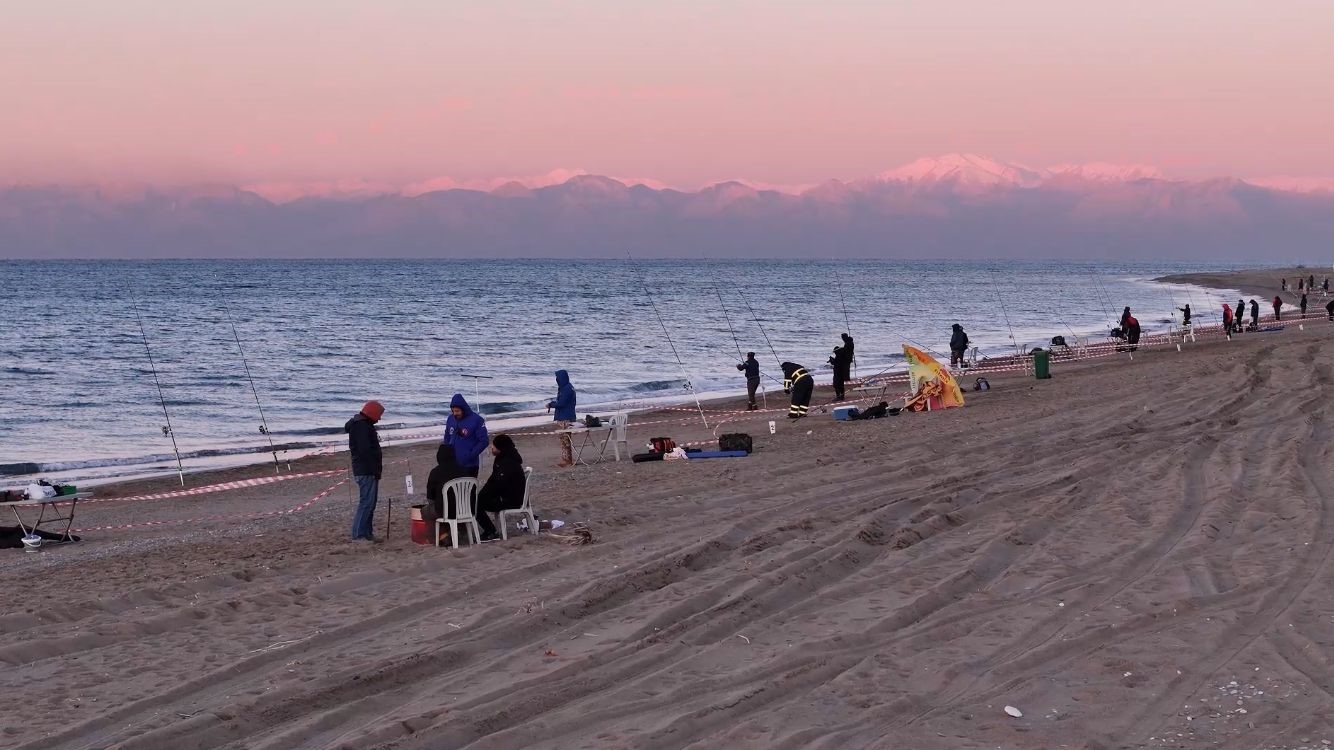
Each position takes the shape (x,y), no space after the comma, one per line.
(465,432)
(564,405)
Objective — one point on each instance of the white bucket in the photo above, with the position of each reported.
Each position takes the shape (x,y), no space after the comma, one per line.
(32,542)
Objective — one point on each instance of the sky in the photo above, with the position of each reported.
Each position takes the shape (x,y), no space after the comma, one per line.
(679,92)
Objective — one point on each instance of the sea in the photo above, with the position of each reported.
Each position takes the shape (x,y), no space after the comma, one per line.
(97,357)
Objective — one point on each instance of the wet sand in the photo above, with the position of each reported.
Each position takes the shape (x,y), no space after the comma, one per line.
(1135,553)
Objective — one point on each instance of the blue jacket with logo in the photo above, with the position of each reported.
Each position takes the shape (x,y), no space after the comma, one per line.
(467,435)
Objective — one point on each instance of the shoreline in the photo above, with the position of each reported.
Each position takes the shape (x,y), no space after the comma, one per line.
(1131,553)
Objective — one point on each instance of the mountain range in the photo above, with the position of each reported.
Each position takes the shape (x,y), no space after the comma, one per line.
(954,206)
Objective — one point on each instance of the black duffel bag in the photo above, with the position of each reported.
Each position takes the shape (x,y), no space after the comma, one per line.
(735,441)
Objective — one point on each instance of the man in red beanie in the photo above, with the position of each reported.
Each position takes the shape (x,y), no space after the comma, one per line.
(367,465)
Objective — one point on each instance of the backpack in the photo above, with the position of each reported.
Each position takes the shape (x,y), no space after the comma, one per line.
(661,445)
(735,441)
(981,384)
(592,421)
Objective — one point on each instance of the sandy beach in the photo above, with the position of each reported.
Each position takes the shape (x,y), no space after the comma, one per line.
(1133,554)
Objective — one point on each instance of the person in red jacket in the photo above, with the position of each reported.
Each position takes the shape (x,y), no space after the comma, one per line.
(1131,329)
(1278,307)
(1227,319)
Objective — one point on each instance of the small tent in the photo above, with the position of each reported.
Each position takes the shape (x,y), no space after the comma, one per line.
(931,385)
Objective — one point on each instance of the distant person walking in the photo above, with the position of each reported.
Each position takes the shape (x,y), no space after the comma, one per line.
(1255,315)
(465,432)
(751,367)
(958,346)
(1299,285)
(1283,286)
(1185,312)
(842,364)
(800,384)
(1310,282)
(1278,307)
(1303,306)
(564,406)
(363,440)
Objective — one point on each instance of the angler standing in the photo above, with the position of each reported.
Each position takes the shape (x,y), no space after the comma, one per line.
(564,404)
(801,385)
(752,369)
(1227,319)
(465,433)
(1303,306)
(1185,313)
(367,466)
(958,346)
(1278,307)
(842,363)
(1255,315)
(1240,322)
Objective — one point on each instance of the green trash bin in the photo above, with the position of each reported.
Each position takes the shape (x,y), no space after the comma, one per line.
(1042,363)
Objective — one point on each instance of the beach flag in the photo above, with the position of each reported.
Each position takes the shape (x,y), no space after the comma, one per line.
(931,385)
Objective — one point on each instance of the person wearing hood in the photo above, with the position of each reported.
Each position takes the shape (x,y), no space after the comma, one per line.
(751,367)
(801,385)
(1278,307)
(842,364)
(564,407)
(504,489)
(1303,306)
(363,442)
(1227,319)
(1131,329)
(1241,315)
(465,432)
(1125,318)
(1255,315)
(958,346)
(446,469)
(1185,316)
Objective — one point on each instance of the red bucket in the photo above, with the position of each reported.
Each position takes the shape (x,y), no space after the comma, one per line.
(421,530)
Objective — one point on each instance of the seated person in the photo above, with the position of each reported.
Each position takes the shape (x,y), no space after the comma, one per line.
(504,490)
(447,468)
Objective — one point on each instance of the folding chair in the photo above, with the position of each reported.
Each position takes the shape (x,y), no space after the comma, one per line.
(465,511)
(524,511)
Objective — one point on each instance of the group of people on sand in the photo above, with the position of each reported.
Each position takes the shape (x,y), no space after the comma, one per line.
(1305,285)
(459,455)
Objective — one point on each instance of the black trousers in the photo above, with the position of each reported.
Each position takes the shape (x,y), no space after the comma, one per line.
(752,384)
(840,379)
(488,502)
(801,397)
(435,483)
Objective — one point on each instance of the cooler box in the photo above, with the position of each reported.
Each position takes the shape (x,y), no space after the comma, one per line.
(421,530)
(841,412)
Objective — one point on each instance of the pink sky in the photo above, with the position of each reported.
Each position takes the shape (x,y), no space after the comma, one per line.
(777,92)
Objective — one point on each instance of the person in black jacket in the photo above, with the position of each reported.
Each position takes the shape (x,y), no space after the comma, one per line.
(801,385)
(1255,315)
(447,468)
(363,440)
(752,369)
(504,490)
(1303,305)
(1185,316)
(958,346)
(842,363)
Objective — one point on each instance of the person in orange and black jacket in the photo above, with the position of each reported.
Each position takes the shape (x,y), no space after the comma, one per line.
(363,440)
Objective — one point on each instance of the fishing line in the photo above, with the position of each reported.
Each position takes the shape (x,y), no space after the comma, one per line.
(166,430)
(689,385)
(263,422)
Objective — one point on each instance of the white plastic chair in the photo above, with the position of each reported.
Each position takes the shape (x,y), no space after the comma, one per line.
(620,420)
(523,511)
(465,511)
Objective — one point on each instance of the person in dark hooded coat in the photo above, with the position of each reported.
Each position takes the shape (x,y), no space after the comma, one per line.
(1240,315)
(1255,314)
(801,385)
(446,470)
(1278,307)
(842,364)
(1303,305)
(958,346)
(504,489)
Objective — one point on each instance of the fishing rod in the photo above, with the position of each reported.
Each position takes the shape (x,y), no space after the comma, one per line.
(763,391)
(1004,313)
(689,385)
(263,422)
(166,429)
(756,318)
(838,278)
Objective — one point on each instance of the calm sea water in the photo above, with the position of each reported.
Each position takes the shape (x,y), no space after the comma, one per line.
(320,337)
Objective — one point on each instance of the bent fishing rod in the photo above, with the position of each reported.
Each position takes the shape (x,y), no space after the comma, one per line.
(166,429)
(689,385)
(760,326)
(764,393)
(838,277)
(263,422)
